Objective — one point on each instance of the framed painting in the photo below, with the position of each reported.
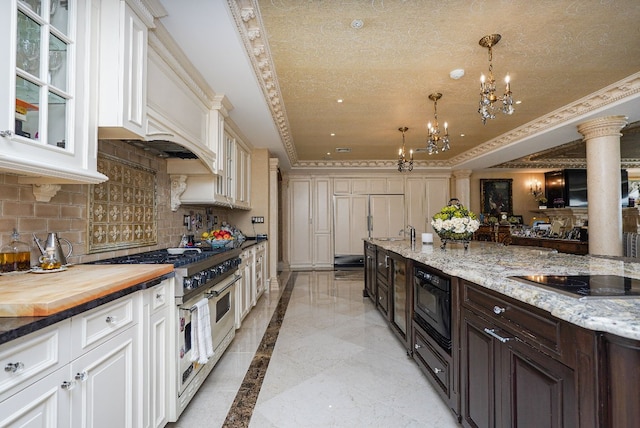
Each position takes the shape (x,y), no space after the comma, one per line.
(496,196)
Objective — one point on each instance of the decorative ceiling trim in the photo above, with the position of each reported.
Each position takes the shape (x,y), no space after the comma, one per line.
(622,89)
(246,15)
(373,164)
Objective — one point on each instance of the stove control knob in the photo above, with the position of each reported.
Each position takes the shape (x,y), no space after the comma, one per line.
(187,283)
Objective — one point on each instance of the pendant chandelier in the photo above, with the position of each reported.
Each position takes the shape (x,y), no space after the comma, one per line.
(403,163)
(437,143)
(488,97)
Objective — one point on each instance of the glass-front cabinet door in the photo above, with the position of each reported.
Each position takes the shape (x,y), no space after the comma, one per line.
(42,93)
(44,127)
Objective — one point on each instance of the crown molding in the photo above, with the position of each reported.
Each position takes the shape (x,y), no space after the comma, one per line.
(625,88)
(246,15)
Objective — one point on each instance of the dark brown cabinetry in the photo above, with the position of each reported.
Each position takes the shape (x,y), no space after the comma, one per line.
(522,367)
(370,270)
(622,388)
(495,233)
(511,364)
(383,274)
(399,286)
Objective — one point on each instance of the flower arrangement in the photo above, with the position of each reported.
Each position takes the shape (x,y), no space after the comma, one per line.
(455,222)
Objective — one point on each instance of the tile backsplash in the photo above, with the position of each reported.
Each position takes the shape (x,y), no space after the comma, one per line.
(68,211)
(122,210)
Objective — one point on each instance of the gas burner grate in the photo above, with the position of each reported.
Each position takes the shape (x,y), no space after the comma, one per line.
(159,257)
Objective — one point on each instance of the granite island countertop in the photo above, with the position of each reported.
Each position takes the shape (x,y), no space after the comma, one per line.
(490,264)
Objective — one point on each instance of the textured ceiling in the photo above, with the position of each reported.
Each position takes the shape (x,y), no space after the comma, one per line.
(556,52)
(568,61)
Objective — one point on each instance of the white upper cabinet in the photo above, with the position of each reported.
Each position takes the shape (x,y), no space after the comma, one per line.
(123,69)
(47,102)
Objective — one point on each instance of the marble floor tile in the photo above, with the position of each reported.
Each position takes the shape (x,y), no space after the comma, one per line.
(315,353)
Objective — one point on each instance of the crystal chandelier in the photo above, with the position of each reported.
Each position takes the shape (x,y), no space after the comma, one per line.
(403,163)
(488,97)
(437,143)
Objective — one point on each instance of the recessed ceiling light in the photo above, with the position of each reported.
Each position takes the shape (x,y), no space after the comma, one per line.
(332,134)
(339,100)
(456,74)
(518,102)
(462,135)
(357,24)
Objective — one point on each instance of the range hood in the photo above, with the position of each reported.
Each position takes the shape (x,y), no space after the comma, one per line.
(163,149)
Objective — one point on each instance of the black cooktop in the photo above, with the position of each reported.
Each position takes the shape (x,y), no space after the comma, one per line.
(588,286)
(162,257)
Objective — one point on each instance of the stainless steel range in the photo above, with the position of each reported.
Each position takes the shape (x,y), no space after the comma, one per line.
(199,275)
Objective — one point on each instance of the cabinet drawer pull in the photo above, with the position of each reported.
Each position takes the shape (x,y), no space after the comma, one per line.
(81,376)
(7,133)
(437,370)
(492,332)
(110,319)
(14,367)
(498,310)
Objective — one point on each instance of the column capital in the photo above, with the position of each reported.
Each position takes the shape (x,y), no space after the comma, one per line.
(462,173)
(607,126)
(274,163)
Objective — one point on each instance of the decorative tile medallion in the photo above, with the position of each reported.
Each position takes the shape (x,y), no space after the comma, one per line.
(122,210)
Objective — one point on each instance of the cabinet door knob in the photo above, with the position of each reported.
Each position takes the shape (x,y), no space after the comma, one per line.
(66,385)
(110,319)
(14,367)
(498,310)
(7,133)
(417,346)
(437,370)
(81,376)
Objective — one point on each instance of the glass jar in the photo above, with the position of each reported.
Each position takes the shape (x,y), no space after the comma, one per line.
(15,256)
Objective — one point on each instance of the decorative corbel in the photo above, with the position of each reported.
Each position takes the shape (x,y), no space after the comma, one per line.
(178,186)
(44,192)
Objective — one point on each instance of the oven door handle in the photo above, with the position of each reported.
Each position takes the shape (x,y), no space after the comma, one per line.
(216,293)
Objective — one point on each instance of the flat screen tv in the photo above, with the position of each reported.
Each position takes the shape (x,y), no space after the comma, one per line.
(569,188)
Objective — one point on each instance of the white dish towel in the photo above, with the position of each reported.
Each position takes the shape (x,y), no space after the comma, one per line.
(201,341)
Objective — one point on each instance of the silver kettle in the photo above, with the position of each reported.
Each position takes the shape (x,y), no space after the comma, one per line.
(53,241)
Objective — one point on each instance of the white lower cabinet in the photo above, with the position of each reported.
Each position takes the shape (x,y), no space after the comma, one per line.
(104,392)
(44,404)
(106,367)
(259,272)
(154,362)
(243,287)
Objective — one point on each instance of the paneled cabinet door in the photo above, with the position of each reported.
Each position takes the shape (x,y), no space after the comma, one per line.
(243,177)
(506,383)
(44,404)
(123,72)
(45,129)
(155,339)
(301,223)
(105,390)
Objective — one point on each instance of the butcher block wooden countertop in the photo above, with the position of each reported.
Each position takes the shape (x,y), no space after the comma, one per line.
(45,294)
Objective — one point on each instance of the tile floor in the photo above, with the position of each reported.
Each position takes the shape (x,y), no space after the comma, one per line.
(327,359)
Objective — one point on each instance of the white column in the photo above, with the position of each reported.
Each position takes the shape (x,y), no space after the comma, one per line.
(602,136)
(273,223)
(463,186)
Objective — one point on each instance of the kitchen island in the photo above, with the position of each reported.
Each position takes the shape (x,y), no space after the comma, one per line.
(490,265)
(518,354)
